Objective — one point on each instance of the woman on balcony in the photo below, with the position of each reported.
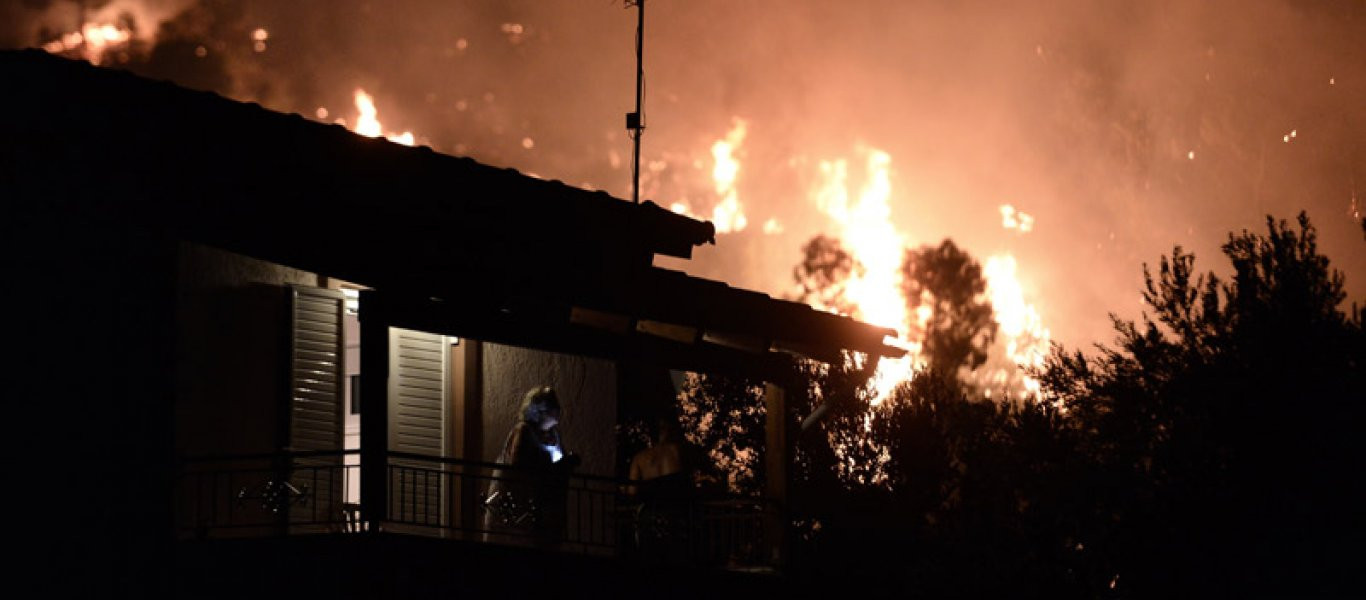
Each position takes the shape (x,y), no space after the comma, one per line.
(530,498)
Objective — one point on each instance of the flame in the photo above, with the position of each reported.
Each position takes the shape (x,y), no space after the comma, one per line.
(114,29)
(93,42)
(1026,339)
(862,212)
(367,124)
(1017,220)
(867,232)
(728,215)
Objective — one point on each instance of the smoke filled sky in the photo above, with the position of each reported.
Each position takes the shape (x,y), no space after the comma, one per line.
(1122,128)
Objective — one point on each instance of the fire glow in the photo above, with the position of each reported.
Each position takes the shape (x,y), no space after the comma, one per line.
(863,217)
(368,125)
(861,211)
(92,43)
(728,216)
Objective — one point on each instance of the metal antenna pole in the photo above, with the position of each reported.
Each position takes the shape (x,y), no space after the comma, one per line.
(634,121)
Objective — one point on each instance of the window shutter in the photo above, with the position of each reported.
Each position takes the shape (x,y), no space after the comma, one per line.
(418,386)
(316,418)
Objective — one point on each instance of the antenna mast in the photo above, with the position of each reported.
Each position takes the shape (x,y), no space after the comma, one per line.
(635,121)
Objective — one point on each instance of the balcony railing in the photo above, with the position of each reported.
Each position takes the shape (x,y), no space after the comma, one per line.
(318,492)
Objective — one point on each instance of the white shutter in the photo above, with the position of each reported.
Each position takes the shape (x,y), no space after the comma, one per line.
(418,387)
(316,417)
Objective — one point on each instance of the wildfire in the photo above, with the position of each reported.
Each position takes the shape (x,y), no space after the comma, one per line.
(867,232)
(728,216)
(368,125)
(1026,338)
(93,42)
(862,212)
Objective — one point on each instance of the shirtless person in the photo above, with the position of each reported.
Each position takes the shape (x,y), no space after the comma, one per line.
(664,491)
(664,457)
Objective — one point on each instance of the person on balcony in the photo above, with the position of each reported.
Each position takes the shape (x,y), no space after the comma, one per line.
(662,483)
(530,499)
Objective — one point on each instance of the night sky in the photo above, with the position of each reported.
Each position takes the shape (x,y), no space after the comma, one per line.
(1122,129)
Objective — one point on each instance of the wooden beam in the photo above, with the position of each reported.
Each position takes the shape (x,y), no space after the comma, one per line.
(374,410)
(777,457)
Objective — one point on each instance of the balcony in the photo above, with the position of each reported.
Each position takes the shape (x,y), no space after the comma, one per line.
(317,494)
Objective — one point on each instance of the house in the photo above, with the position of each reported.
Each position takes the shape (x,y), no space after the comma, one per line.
(221,312)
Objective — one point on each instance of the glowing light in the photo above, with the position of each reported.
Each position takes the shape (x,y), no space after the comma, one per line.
(1017,220)
(772,227)
(528,143)
(93,42)
(462,44)
(321,113)
(1026,338)
(1190,155)
(368,125)
(728,215)
(514,32)
(864,218)
(260,34)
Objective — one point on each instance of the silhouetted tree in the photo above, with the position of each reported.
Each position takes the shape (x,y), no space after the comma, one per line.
(949,282)
(724,418)
(1223,428)
(821,276)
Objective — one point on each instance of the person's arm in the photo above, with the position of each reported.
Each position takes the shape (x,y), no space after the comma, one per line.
(512,448)
(634,474)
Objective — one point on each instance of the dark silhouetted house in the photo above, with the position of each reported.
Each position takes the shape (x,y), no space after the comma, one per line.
(231,327)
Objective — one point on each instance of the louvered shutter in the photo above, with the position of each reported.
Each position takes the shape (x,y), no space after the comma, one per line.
(418,385)
(316,420)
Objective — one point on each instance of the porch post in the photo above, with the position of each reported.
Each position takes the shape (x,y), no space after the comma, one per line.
(776,459)
(374,409)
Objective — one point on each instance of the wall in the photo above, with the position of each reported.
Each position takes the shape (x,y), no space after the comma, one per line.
(231,351)
(88,397)
(588,392)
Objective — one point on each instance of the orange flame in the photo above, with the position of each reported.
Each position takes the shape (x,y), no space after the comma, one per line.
(92,42)
(862,212)
(728,215)
(866,230)
(1026,338)
(368,125)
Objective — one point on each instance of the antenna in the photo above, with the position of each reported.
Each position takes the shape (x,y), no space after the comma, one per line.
(635,121)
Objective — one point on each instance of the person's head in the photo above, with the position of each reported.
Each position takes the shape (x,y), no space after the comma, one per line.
(667,430)
(541,407)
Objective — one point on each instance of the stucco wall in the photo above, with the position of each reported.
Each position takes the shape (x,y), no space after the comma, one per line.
(231,351)
(587,389)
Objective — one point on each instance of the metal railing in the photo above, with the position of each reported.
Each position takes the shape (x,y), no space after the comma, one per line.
(318,492)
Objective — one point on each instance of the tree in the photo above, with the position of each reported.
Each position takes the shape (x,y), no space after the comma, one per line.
(1222,428)
(724,418)
(823,273)
(949,282)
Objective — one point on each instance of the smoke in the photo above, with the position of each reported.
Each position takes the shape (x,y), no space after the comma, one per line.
(1121,128)
(33,22)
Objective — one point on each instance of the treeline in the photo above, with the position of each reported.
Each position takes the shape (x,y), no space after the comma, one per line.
(1214,447)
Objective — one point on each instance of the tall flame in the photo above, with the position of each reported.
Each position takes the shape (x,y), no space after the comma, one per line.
(866,230)
(368,125)
(1026,338)
(862,213)
(728,216)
